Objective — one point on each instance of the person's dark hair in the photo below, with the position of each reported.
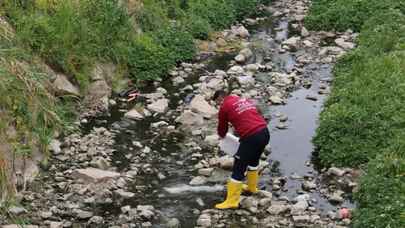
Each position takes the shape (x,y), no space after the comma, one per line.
(217,94)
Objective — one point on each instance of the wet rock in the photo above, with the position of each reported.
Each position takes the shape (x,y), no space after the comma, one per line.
(206,172)
(146,224)
(204,220)
(311,97)
(159,124)
(308,43)
(212,140)
(63,86)
(276,100)
(134,114)
(146,211)
(246,80)
(304,32)
(292,43)
(221,42)
(124,194)
(252,67)
(337,197)
(301,219)
(250,204)
(17,210)
(81,214)
(96,220)
(190,118)
(55,146)
(226,162)
(241,31)
(265,194)
(282,126)
(173,223)
(265,202)
(178,80)
(277,208)
(251,21)
(308,185)
(236,70)
(283,118)
(216,83)
(336,172)
(198,181)
(200,105)
(299,207)
(46,214)
(240,58)
(247,53)
(159,106)
(94,175)
(343,44)
(56,225)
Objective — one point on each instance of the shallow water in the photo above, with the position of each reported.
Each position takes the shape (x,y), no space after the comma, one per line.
(291,148)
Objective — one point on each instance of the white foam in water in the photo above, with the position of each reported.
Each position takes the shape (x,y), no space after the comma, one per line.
(187,188)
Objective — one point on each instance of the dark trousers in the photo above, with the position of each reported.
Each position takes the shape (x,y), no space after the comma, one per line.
(249,152)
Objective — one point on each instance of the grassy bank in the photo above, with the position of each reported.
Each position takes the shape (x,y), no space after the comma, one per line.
(146,38)
(29,113)
(363,121)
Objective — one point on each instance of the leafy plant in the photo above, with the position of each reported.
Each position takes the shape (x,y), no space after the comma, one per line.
(177,41)
(148,60)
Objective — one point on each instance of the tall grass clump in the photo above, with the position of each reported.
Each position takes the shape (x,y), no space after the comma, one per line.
(72,35)
(27,106)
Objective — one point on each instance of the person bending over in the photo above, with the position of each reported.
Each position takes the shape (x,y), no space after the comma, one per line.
(254,135)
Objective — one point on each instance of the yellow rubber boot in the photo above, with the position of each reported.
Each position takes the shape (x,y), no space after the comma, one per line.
(234,189)
(252,180)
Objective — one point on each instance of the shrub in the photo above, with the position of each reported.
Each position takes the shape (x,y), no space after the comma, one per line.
(177,41)
(153,16)
(148,60)
(219,13)
(197,26)
(244,8)
(344,14)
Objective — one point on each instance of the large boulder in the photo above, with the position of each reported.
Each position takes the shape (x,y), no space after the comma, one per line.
(190,118)
(94,175)
(200,105)
(134,114)
(63,86)
(159,106)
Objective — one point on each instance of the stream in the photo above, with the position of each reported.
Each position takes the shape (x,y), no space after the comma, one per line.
(291,148)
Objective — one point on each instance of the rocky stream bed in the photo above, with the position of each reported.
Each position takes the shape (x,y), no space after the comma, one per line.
(155,162)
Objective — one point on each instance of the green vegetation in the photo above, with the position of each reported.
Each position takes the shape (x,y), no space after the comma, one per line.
(145,40)
(73,35)
(340,15)
(363,122)
(26,106)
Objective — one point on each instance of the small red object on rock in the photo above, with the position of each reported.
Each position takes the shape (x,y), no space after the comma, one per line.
(344,213)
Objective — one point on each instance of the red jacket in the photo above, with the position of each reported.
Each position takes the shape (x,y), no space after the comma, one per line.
(243,116)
